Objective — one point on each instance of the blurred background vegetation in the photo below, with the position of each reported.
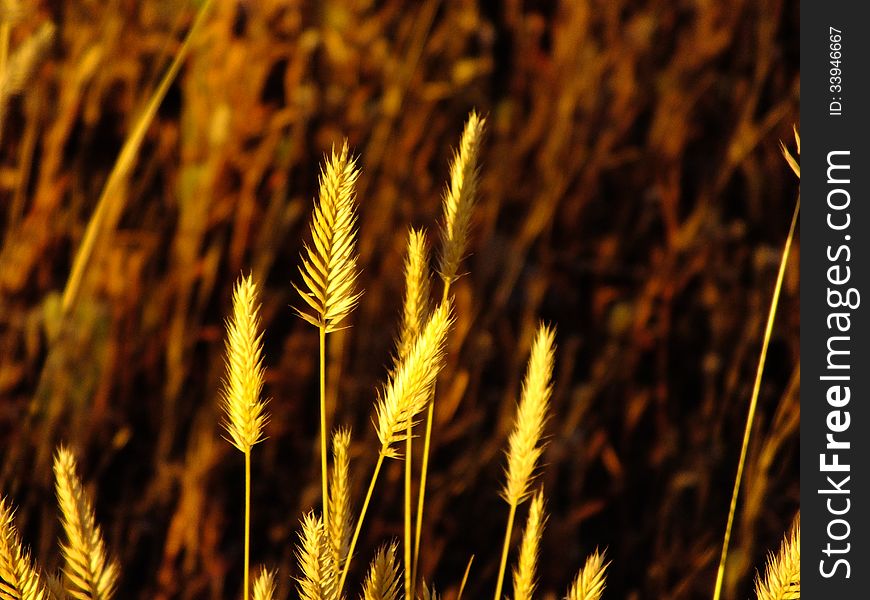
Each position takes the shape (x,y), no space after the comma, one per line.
(632,193)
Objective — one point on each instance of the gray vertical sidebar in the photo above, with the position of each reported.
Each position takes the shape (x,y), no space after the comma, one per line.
(835,271)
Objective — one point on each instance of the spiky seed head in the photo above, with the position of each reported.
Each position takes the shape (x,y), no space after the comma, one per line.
(589,583)
(789,158)
(317,580)
(382,582)
(460,198)
(54,583)
(415,308)
(244,412)
(264,585)
(329,264)
(428,592)
(782,577)
(90,574)
(525,442)
(339,527)
(409,390)
(527,565)
(19,577)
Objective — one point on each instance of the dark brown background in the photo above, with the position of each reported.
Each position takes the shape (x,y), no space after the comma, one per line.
(632,193)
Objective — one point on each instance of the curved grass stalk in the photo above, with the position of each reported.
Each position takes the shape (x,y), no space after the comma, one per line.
(405,396)
(359,522)
(753,402)
(122,167)
(464,578)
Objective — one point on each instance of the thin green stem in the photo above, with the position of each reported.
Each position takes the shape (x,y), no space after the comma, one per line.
(324,473)
(504,551)
(424,471)
(247,521)
(753,403)
(359,523)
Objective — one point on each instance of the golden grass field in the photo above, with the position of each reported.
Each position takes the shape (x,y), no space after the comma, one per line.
(624,185)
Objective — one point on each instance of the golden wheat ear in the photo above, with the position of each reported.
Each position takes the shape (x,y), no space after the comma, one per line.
(329,267)
(382,582)
(245,414)
(405,396)
(782,577)
(460,198)
(89,573)
(264,585)
(340,525)
(244,411)
(317,580)
(409,390)
(589,583)
(525,572)
(525,442)
(19,577)
(415,307)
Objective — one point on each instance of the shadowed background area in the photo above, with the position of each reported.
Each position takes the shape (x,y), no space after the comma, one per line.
(632,193)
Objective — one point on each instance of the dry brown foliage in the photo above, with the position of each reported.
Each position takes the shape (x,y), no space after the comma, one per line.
(633,193)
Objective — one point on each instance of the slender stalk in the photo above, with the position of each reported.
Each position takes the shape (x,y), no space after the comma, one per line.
(753,403)
(504,550)
(123,165)
(247,522)
(324,473)
(409,586)
(424,471)
(359,523)
(465,578)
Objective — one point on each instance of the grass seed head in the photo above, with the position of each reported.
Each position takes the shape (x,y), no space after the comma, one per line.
(782,577)
(264,585)
(408,391)
(19,577)
(589,583)
(525,441)
(89,573)
(317,580)
(329,263)
(340,525)
(244,411)
(527,565)
(415,307)
(382,582)
(460,198)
